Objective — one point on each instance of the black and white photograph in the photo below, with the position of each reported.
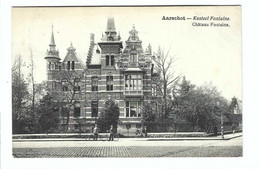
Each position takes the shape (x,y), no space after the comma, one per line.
(126,82)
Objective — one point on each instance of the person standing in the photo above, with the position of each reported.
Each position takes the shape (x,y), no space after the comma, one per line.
(233,128)
(111,133)
(215,130)
(145,131)
(95,132)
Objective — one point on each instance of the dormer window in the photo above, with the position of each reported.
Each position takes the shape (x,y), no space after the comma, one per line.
(110,38)
(72,65)
(68,65)
(133,58)
(97,51)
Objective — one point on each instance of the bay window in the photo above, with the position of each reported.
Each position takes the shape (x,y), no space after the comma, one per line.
(133,82)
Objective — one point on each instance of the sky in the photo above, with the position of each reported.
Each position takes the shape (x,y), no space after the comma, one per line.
(204,54)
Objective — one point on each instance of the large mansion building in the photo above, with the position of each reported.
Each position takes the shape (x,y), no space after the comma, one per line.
(123,74)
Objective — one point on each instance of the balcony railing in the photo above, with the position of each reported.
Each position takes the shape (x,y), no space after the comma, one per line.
(133,93)
(133,64)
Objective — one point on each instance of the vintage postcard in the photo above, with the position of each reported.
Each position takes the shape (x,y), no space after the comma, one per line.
(151,81)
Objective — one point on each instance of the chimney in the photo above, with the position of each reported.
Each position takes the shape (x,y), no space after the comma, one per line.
(150,49)
(92,38)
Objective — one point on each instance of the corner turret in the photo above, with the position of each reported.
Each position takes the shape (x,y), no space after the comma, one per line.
(52,59)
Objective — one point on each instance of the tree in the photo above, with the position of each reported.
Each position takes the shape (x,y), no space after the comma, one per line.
(31,80)
(148,113)
(164,67)
(149,117)
(67,92)
(47,115)
(201,106)
(109,116)
(20,96)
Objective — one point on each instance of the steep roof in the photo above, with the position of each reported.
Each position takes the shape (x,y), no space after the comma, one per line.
(94,53)
(72,56)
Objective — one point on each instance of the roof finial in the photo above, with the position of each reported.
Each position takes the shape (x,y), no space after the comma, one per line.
(110,24)
(71,44)
(52,43)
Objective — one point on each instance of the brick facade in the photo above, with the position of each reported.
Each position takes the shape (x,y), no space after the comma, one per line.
(112,72)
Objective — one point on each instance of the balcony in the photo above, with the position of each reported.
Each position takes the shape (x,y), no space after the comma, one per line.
(133,65)
(133,93)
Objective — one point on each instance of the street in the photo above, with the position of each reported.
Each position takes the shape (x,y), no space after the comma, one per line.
(129,147)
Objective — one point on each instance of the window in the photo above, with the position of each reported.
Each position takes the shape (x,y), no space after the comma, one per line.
(64,85)
(52,66)
(59,67)
(94,108)
(94,81)
(107,60)
(110,60)
(133,58)
(53,85)
(138,125)
(76,84)
(133,82)
(76,111)
(109,83)
(133,109)
(56,66)
(154,106)
(49,66)
(154,90)
(68,65)
(72,65)
(128,126)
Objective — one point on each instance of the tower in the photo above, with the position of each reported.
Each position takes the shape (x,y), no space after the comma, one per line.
(52,61)
(110,45)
